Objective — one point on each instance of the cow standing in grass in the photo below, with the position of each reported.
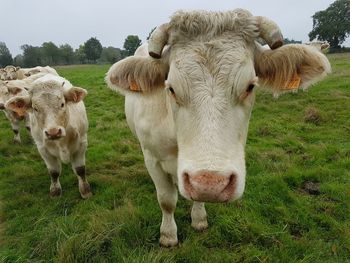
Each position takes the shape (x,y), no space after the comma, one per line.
(189,102)
(59,126)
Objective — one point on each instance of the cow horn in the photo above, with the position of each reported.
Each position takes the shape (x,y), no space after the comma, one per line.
(270,32)
(157,41)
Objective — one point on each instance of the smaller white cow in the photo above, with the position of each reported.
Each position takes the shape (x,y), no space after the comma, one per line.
(320,45)
(59,126)
(11,72)
(23,73)
(7,93)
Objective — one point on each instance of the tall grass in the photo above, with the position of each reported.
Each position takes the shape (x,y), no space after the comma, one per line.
(294,142)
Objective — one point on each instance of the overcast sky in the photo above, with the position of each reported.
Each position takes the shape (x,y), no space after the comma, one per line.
(75,21)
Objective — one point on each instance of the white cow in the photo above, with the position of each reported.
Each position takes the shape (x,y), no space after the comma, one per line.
(189,102)
(23,73)
(7,93)
(59,126)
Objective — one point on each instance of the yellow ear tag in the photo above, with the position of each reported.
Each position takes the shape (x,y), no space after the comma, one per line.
(134,86)
(294,83)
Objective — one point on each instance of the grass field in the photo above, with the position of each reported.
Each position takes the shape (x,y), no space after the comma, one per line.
(295,141)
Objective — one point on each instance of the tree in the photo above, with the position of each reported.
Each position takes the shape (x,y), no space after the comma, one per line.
(5,55)
(80,54)
(67,54)
(111,54)
(131,43)
(92,49)
(291,41)
(32,56)
(18,60)
(51,53)
(332,24)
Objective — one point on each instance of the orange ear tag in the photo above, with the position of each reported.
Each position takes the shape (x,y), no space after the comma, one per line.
(294,83)
(134,86)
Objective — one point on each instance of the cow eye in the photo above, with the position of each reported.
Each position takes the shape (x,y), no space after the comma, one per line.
(250,88)
(62,105)
(36,109)
(172,90)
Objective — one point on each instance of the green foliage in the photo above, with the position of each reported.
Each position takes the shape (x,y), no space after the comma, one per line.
(32,56)
(51,53)
(291,41)
(92,49)
(5,55)
(80,54)
(110,55)
(332,24)
(298,138)
(131,43)
(67,55)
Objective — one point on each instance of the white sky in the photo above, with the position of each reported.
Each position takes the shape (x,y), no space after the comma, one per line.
(75,21)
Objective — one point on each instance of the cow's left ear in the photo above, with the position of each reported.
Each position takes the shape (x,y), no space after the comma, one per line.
(19,104)
(290,67)
(75,94)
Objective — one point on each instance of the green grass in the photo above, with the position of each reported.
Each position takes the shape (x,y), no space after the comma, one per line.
(297,138)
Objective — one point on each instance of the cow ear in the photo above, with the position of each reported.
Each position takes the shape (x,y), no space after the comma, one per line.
(137,74)
(14,90)
(290,67)
(19,104)
(75,94)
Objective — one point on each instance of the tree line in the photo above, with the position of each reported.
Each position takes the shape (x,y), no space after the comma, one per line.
(331,24)
(50,54)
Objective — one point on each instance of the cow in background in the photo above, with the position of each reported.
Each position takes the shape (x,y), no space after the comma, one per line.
(59,126)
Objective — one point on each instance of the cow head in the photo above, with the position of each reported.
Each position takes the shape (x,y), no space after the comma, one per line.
(9,91)
(47,101)
(11,72)
(209,65)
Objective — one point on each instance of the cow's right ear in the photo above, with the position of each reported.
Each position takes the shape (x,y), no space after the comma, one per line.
(137,74)
(19,104)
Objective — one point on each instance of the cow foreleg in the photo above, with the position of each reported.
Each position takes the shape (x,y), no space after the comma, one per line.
(53,164)
(78,165)
(167,198)
(15,129)
(199,216)
(27,122)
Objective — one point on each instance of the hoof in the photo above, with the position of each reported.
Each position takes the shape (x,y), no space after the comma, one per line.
(200,226)
(166,241)
(55,191)
(85,191)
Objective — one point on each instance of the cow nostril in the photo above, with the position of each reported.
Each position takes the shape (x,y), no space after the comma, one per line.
(59,132)
(46,133)
(2,106)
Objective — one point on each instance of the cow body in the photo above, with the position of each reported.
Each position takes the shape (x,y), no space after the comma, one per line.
(59,126)
(190,103)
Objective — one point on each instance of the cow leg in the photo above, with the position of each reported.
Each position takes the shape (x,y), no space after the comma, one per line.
(27,122)
(15,129)
(53,164)
(167,198)
(78,165)
(199,216)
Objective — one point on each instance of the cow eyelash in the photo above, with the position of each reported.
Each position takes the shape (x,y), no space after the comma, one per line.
(172,90)
(250,88)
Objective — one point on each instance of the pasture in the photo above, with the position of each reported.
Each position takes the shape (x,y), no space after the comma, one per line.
(296,206)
